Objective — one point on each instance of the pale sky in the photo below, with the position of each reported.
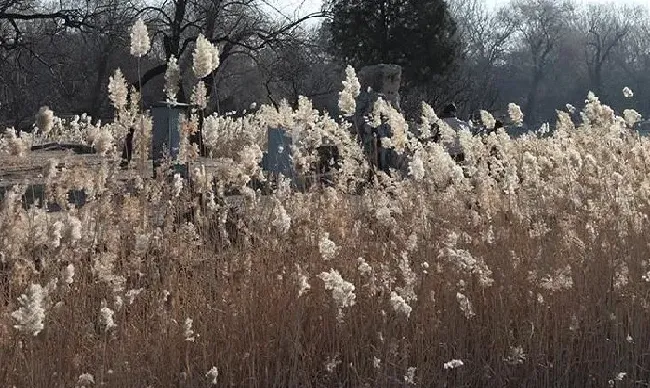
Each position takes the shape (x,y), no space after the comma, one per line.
(303,7)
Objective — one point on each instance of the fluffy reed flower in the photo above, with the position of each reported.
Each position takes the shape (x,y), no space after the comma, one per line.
(515,113)
(177,185)
(327,248)
(172,79)
(188,332)
(304,285)
(465,305)
(103,141)
(142,138)
(205,56)
(627,92)
(351,89)
(141,244)
(516,356)
(74,227)
(200,95)
(408,291)
(429,115)
(465,262)
(561,280)
(364,268)
(31,314)
(399,304)
(13,144)
(106,318)
(68,274)
(409,377)
(55,234)
(45,119)
(140,43)
(211,131)
(619,377)
(303,281)
(281,220)
(487,119)
(453,364)
(631,117)
(188,151)
(85,379)
(383,113)
(416,167)
(596,113)
(342,290)
(213,374)
(332,363)
(118,91)
(132,294)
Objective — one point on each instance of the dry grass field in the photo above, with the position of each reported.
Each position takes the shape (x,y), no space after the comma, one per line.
(525,267)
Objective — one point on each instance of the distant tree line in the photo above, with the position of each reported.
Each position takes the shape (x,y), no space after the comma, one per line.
(540,54)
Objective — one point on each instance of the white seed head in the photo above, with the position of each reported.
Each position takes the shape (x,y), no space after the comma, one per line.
(172,79)
(31,314)
(453,364)
(45,119)
(68,274)
(118,90)
(200,95)
(627,92)
(206,57)
(188,332)
(140,43)
(515,113)
(106,318)
(351,89)
(213,373)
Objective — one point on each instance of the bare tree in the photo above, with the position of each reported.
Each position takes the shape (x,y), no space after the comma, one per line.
(539,25)
(605,27)
(64,68)
(485,35)
(237,27)
(18,18)
(301,67)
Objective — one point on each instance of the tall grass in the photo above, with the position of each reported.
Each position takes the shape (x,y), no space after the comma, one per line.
(532,272)
(525,266)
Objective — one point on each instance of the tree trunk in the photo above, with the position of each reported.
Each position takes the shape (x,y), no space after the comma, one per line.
(531,101)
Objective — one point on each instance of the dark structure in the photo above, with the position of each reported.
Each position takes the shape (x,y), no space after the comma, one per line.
(127,150)
(166,137)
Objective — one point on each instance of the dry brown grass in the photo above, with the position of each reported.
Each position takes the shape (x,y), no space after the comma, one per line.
(530,268)
(251,324)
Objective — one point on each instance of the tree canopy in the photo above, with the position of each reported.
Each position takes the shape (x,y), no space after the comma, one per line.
(419,35)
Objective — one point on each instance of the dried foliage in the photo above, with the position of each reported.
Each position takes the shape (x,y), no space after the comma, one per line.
(525,266)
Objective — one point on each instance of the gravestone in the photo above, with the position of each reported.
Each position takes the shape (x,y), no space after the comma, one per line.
(382,79)
(377,81)
(278,159)
(166,137)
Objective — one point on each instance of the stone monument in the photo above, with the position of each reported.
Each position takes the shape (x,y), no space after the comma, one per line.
(377,81)
(383,79)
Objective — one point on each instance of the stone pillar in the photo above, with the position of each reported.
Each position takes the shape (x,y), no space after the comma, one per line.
(384,80)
